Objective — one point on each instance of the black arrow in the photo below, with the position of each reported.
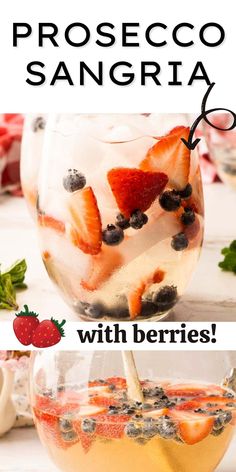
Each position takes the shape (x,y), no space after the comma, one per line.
(190,144)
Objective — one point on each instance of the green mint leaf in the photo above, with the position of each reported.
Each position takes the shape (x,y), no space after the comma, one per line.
(229,262)
(7,293)
(232,246)
(17,272)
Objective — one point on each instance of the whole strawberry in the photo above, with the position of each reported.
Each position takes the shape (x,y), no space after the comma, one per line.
(24,325)
(48,333)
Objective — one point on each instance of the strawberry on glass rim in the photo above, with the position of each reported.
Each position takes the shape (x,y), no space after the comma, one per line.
(120,213)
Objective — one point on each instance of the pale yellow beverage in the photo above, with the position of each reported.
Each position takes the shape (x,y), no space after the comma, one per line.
(178,428)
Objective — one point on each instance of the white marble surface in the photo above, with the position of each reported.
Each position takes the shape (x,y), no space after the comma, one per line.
(21,451)
(211,294)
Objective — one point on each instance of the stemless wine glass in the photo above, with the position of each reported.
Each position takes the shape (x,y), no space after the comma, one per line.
(222,147)
(120,213)
(31,152)
(87,421)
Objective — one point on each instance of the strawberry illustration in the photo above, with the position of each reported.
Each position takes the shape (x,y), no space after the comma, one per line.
(48,333)
(24,325)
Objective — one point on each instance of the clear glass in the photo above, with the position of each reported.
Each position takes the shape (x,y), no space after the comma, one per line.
(222,148)
(142,276)
(31,153)
(87,422)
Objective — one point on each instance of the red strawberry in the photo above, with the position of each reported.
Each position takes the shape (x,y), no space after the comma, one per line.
(50,222)
(170,155)
(111,427)
(50,427)
(156,413)
(193,427)
(86,232)
(24,325)
(48,333)
(135,295)
(85,438)
(119,382)
(217,402)
(134,189)
(192,390)
(87,411)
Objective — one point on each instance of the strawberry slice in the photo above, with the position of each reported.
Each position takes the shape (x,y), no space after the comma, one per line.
(86,232)
(192,390)
(50,427)
(111,427)
(155,413)
(217,402)
(118,382)
(102,266)
(91,410)
(193,427)
(51,222)
(134,189)
(99,400)
(135,295)
(170,155)
(85,438)
(189,405)
(101,396)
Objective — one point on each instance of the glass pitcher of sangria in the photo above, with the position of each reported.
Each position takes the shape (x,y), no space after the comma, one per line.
(87,420)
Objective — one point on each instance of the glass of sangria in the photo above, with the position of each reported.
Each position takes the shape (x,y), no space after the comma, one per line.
(222,147)
(87,421)
(120,213)
(31,152)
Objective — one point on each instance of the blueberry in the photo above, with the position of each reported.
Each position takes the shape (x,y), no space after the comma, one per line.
(166,295)
(137,417)
(122,222)
(88,425)
(227,417)
(200,410)
(112,235)
(188,217)
(138,405)
(229,169)
(141,441)
(150,428)
(138,219)
(132,430)
(95,310)
(147,406)
(228,395)
(217,432)
(148,308)
(129,411)
(170,200)
(74,180)
(179,242)
(186,192)
(153,392)
(38,123)
(219,422)
(167,428)
(65,425)
(69,436)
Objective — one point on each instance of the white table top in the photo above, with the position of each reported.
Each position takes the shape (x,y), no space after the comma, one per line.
(211,294)
(21,451)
